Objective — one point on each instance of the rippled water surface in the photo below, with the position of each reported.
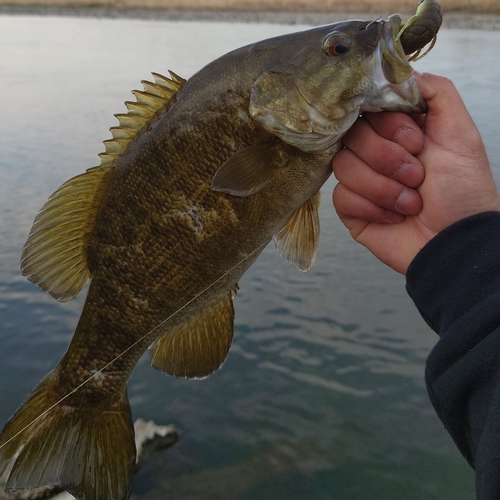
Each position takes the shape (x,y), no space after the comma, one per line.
(322,395)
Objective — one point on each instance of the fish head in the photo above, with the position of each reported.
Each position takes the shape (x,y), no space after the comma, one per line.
(311,98)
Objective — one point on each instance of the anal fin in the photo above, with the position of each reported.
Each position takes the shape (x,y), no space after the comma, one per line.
(297,241)
(200,346)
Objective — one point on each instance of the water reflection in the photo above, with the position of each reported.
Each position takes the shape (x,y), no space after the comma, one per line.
(322,393)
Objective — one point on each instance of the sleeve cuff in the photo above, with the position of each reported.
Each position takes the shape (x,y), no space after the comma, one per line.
(456,270)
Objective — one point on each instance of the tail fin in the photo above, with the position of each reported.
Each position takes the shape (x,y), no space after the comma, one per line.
(87,452)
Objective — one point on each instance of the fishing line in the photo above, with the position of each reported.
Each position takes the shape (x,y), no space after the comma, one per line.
(133,345)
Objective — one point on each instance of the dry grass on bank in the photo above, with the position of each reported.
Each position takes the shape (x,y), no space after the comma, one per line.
(403,6)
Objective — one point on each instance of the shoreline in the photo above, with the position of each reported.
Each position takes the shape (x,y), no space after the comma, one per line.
(455,20)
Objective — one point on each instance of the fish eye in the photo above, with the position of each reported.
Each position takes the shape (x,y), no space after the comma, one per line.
(336,44)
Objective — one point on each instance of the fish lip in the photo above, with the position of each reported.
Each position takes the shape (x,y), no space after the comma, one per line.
(389,34)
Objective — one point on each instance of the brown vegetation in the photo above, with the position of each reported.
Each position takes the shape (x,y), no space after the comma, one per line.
(402,6)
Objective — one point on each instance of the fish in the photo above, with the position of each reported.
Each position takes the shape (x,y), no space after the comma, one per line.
(199,176)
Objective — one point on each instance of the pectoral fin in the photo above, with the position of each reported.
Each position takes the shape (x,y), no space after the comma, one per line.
(249,170)
(297,241)
(199,347)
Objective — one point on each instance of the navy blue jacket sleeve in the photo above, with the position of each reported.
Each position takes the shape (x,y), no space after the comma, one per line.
(455,284)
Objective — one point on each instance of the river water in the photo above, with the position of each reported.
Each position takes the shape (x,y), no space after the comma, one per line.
(322,395)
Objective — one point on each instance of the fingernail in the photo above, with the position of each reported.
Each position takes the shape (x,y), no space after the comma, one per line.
(409,139)
(407,202)
(410,174)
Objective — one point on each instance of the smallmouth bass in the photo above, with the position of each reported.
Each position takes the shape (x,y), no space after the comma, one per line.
(198,177)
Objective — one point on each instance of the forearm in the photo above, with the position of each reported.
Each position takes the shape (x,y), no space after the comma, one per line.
(455,283)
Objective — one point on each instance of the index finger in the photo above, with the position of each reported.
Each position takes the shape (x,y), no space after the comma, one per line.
(399,128)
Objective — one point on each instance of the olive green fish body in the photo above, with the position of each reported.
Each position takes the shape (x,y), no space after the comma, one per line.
(149,255)
(198,178)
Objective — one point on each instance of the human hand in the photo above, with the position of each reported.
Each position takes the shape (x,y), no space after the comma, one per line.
(403,180)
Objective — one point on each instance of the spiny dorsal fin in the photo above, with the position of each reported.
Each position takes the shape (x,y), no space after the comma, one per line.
(297,241)
(198,347)
(55,254)
(150,103)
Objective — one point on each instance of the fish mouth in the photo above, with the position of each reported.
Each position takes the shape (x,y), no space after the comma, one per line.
(392,74)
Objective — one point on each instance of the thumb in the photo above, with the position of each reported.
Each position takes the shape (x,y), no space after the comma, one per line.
(458,181)
(447,121)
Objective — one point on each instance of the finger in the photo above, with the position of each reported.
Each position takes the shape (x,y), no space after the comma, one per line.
(355,211)
(399,128)
(358,177)
(383,155)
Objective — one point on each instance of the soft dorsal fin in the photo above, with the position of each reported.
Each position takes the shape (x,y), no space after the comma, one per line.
(297,241)
(55,254)
(200,346)
(250,169)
